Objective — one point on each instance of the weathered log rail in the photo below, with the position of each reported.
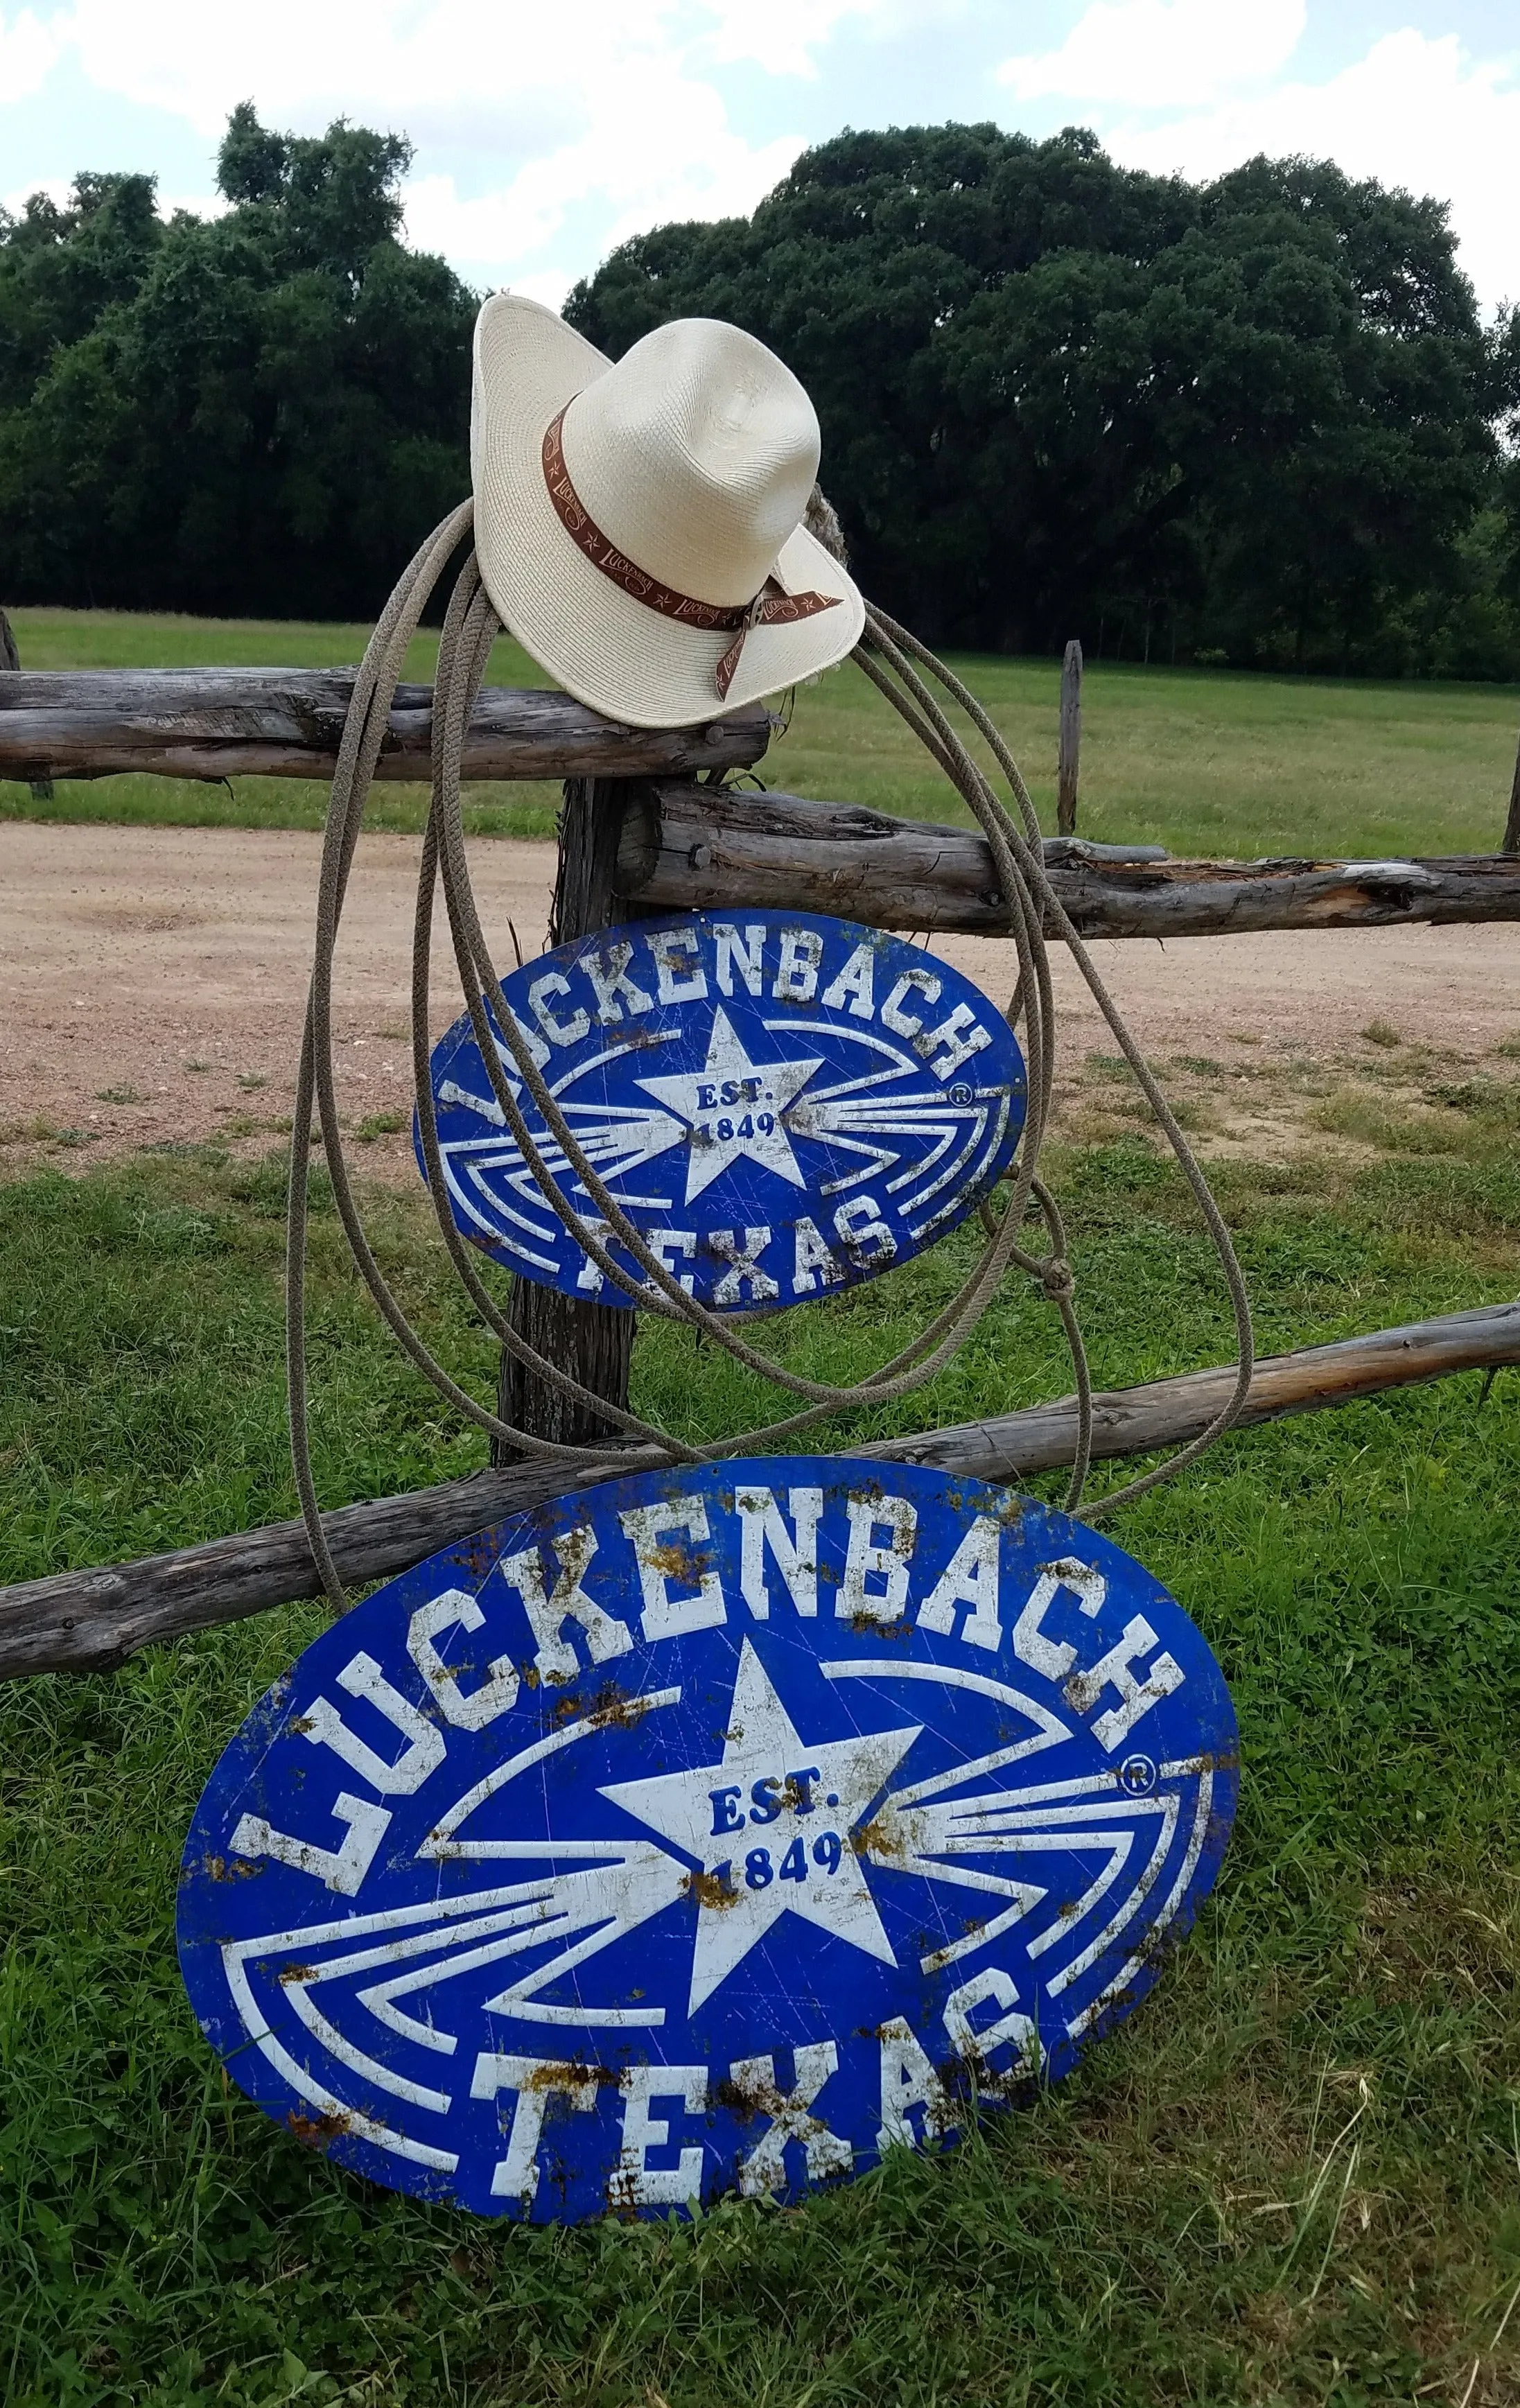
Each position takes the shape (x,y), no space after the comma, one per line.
(212,723)
(687,847)
(92,1621)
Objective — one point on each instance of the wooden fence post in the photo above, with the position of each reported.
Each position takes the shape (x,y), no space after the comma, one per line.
(11,659)
(1512,826)
(1066,782)
(593,1342)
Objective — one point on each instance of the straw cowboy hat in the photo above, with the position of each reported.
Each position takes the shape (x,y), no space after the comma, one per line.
(637,526)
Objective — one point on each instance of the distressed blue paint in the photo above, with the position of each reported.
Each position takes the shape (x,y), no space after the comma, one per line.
(781,1110)
(698,1848)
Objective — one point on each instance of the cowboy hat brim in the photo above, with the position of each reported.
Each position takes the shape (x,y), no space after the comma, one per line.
(599,643)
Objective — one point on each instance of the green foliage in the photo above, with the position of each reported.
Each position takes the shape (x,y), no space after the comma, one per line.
(1256,420)
(236,413)
(1288,2180)
(1253,418)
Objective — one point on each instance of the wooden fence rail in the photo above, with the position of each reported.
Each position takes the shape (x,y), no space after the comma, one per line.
(92,1621)
(688,848)
(211,723)
(685,845)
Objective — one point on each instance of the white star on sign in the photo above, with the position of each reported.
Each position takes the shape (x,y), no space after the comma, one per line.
(734,1106)
(771,1827)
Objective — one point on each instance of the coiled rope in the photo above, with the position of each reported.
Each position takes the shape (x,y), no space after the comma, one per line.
(898,665)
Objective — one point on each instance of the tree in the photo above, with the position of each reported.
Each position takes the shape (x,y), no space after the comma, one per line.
(1060,396)
(1256,420)
(260,414)
(60,268)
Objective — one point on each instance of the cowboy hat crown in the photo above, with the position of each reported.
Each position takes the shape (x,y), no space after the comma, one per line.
(697,453)
(637,526)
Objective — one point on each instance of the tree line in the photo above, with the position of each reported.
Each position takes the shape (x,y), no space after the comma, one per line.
(1259,420)
(257,414)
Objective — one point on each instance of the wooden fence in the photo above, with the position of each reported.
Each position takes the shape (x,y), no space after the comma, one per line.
(642,831)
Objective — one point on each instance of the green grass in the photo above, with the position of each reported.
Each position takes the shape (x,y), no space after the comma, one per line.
(1292,2178)
(1202,761)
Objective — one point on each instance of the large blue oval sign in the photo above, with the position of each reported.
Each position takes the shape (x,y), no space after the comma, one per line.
(781,1104)
(710,1831)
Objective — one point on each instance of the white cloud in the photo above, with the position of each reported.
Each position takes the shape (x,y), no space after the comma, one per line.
(57,188)
(481,70)
(1162,54)
(28,51)
(522,115)
(496,74)
(1415,112)
(550,286)
(200,204)
(654,146)
(783,36)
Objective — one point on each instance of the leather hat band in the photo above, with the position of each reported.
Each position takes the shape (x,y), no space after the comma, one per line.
(771,606)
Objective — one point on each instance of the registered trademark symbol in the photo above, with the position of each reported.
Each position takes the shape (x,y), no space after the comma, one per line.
(960,1092)
(1137,1775)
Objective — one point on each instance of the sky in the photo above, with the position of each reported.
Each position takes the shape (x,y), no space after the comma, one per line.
(546,134)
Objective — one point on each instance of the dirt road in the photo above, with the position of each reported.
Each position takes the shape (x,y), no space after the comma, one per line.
(153,983)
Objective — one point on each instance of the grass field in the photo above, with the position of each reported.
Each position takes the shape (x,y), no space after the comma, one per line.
(1293,2178)
(1291,2181)
(1202,761)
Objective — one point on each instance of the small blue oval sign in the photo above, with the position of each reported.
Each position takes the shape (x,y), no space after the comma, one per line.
(781,1104)
(709,1830)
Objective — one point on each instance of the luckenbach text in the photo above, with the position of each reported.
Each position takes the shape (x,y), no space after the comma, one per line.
(557,1608)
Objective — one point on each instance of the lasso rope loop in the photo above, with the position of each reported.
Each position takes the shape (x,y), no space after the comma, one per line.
(887,655)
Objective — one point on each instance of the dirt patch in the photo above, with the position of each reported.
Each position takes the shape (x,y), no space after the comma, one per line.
(152,984)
